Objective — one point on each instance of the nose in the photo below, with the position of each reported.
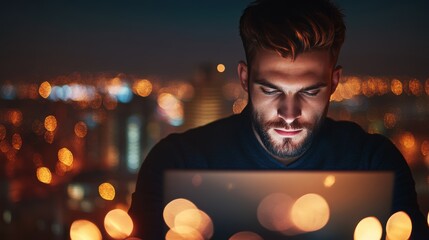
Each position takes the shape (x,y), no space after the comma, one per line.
(289,109)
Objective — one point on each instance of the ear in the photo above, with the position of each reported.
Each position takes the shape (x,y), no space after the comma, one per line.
(243,75)
(336,76)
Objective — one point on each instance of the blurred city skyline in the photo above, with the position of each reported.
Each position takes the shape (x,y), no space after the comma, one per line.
(170,39)
(88,87)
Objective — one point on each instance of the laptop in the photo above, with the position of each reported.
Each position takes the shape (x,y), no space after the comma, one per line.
(274,204)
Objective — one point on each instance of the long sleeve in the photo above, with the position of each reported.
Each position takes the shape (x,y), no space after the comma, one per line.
(147,201)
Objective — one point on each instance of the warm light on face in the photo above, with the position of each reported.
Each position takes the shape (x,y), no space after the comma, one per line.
(285,118)
(274,212)
(220,68)
(368,229)
(310,212)
(50,123)
(84,230)
(245,236)
(44,175)
(399,226)
(118,224)
(106,191)
(65,156)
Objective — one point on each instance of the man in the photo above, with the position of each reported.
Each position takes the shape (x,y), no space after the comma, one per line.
(291,48)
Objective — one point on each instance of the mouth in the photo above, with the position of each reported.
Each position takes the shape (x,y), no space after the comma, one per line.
(288,132)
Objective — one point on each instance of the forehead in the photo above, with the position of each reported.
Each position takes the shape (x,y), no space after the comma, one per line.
(267,63)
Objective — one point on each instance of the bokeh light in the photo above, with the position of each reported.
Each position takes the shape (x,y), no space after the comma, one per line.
(329,181)
(368,228)
(44,175)
(245,235)
(197,180)
(415,87)
(274,212)
(4,146)
(425,148)
(50,123)
(396,87)
(220,68)
(49,137)
(389,120)
(310,212)
(407,140)
(75,191)
(196,219)
(142,87)
(14,117)
(16,141)
(399,226)
(80,129)
(84,230)
(106,191)
(65,156)
(45,89)
(38,127)
(118,224)
(2,132)
(239,105)
(183,233)
(173,208)
(110,102)
(172,108)
(427,86)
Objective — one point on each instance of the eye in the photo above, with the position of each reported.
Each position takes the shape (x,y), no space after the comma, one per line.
(269,91)
(311,92)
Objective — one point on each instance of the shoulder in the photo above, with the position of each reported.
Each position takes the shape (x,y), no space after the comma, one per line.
(352,131)
(375,149)
(222,128)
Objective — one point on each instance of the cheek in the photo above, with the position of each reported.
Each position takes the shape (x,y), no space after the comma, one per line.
(264,106)
(314,108)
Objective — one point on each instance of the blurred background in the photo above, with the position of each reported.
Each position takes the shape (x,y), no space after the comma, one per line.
(87,89)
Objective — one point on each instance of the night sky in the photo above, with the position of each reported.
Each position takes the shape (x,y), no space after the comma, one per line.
(170,39)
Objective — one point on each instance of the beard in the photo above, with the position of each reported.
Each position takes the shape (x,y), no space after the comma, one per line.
(288,147)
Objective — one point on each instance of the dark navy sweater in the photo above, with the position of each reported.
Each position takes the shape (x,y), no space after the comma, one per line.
(231,144)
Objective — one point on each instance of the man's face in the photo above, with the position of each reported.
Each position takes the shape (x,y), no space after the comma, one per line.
(289,99)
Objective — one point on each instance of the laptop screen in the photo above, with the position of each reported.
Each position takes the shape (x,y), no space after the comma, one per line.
(274,204)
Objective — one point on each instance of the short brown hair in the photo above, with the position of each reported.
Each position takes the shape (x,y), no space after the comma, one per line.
(291,27)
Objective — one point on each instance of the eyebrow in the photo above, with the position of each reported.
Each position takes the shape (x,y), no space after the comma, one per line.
(266,83)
